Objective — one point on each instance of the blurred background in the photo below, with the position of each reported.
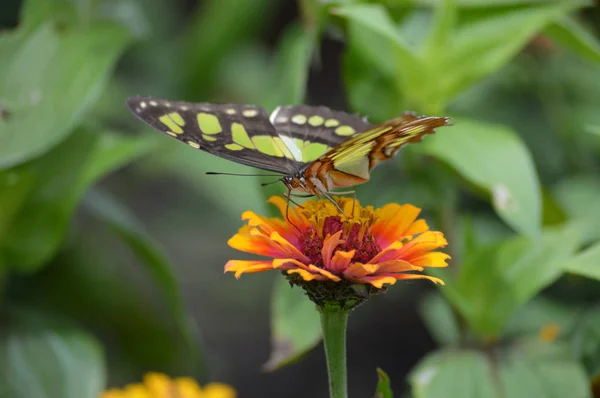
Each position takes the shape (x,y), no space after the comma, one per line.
(113,240)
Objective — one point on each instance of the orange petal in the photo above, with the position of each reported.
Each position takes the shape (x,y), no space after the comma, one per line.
(289,263)
(288,211)
(358,270)
(393,266)
(432,259)
(340,260)
(267,225)
(329,246)
(248,266)
(287,248)
(422,244)
(388,253)
(306,275)
(325,273)
(378,280)
(417,227)
(255,244)
(392,222)
(420,276)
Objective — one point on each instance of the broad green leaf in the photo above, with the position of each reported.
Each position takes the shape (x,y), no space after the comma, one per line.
(484,42)
(366,77)
(48,81)
(55,183)
(586,263)
(440,319)
(578,196)
(495,281)
(42,359)
(570,34)
(384,388)
(295,325)
(520,369)
(465,374)
(493,157)
(538,369)
(376,42)
(151,256)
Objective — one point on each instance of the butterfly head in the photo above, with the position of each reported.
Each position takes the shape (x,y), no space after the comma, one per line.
(294,183)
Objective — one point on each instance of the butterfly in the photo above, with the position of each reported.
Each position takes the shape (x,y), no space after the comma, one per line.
(315,149)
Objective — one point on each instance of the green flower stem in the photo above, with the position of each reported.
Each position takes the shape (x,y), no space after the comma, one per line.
(334,319)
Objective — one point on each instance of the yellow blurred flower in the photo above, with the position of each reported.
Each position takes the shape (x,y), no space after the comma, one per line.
(158,385)
(372,246)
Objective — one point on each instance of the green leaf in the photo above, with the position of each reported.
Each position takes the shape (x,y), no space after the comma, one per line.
(51,188)
(485,41)
(42,359)
(495,281)
(578,196)
(586,263)
(524,369)
(570,34)
(465,374)
(376,42)
(384,387)
(49,78)
(366,78)
(493,157)
(295,325)
(152,257)
(538,369)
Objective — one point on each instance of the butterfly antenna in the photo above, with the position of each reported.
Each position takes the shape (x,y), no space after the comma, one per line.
(214,173)
(264,184)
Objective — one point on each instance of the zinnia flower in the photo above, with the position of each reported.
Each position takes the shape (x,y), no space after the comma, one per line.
(374,247)
(158,385)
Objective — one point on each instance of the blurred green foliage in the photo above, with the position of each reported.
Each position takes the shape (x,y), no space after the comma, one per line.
(86,291)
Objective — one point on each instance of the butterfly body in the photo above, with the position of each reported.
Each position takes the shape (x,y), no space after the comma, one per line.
(315,149)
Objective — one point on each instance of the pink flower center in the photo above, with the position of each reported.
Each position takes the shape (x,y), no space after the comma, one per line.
(311,242)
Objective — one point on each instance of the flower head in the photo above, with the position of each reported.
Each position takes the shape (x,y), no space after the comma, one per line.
(157,385)
(364,245)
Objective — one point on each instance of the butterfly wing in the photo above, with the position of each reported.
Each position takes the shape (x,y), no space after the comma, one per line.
(311,131)
(240,133)
(351,162)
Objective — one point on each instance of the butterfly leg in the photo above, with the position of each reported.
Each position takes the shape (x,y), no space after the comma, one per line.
(334,202)
(353,193)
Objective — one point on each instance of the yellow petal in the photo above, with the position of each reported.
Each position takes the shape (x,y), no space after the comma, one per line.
(188,388)
(219,390)
(306,275)
(137,391)
(377,280)
(432,259)
(420,276)
(248,266)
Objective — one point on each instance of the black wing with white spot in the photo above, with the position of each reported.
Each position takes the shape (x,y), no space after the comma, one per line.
(240,133)
(317,124)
